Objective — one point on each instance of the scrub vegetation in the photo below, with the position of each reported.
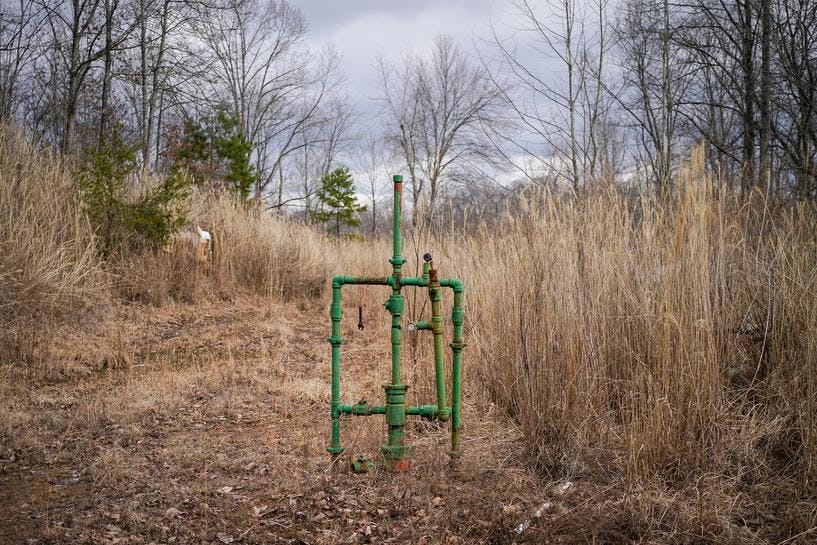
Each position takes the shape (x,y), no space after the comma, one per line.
(638,370)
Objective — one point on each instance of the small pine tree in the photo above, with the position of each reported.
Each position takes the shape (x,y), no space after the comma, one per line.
(218,151)
(338,203)
(193,152)
(149,219)
(234,149)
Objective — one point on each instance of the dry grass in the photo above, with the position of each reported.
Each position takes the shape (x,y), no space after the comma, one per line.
(49,268)
(665,347)
(663,355)
(253,251)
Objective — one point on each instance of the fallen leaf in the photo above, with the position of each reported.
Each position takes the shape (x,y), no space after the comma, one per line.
(173,512)
(225,490)
(224,538)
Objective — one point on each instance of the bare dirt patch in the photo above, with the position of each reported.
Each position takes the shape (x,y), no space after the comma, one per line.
(212,429)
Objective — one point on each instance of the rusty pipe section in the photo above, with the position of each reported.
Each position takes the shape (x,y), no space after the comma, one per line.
(435,295)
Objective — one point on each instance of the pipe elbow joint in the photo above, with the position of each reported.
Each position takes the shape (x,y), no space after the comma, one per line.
(454,283)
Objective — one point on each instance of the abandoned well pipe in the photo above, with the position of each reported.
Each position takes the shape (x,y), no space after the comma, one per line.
(395,452)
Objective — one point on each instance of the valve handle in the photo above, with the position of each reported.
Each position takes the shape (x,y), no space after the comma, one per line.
(427,257)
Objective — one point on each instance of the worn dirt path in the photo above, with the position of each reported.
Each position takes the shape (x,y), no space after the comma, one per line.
(208,423)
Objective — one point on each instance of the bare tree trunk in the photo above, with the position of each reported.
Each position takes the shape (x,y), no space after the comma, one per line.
(570,15)
(280,202)
(74,78)
(765,92)
(110,8)
(374,210)
(159,120)
(665,160)
(595,107)
(747,67)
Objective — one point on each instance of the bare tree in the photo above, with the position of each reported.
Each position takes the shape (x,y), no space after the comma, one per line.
(20,23)
(315,151)
(78,40)
(795,44)
(374,158)
(261,70)
(158,66)
(436,112)
(559,121)
(656,75)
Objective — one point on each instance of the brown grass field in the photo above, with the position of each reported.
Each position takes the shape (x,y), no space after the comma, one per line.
(637,371)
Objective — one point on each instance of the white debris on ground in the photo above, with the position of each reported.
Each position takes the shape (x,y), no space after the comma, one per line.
(536,514)
(541,509)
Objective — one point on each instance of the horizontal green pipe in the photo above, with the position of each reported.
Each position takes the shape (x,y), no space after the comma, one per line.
(422,325)
(339,281)
(413,281)
(453,283)
(362,409)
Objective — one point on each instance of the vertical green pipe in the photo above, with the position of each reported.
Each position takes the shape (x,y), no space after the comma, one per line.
(336,312)
(397,218)
(395,452)
(395,305)
(435,294)
(457,346)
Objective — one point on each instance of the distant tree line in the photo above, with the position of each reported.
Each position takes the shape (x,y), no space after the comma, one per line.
(574,93)
(227,87)
(577,92)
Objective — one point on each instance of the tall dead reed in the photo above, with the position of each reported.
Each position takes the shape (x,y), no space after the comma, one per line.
(49,266)
(651,340)
(253,251)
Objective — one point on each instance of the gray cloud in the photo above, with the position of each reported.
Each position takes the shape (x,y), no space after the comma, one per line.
(361,29)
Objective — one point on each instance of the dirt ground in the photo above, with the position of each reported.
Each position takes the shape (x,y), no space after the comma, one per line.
(208,423)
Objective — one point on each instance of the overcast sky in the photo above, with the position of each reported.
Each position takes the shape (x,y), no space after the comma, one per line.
(359,29)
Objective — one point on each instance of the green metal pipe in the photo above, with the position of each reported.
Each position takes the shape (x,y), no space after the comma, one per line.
(362,409)
(424,411)
(366,280)
(414,281)
(457,316)
(397,218)
(395,451)
(395,302)
(335,313)
(453,283)
(435,294)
